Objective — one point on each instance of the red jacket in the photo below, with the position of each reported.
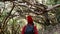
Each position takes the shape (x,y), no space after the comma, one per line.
(30,21)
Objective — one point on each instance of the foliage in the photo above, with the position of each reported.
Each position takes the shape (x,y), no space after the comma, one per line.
(13,15)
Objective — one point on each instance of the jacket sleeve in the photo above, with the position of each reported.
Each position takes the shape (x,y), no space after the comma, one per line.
(23,29)
(35,30)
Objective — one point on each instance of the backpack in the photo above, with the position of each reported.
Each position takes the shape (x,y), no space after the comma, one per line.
(29,29)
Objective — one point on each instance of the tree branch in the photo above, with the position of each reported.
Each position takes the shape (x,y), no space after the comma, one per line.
(53,7)
(7,17)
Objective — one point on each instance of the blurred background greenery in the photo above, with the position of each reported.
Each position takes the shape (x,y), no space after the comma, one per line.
(13,15)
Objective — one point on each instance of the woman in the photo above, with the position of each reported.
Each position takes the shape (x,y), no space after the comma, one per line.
(29,28)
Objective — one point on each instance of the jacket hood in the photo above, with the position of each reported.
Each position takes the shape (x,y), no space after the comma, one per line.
(29,19)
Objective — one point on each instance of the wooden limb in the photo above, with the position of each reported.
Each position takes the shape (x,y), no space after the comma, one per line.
(53,7)
(38,7)
(5,20)
(48,9)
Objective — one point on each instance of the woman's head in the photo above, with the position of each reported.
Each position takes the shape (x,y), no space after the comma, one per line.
(29,19)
